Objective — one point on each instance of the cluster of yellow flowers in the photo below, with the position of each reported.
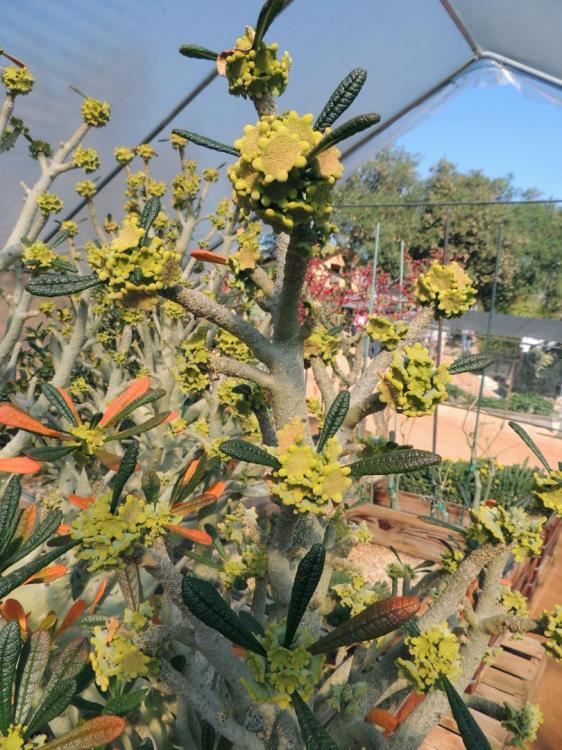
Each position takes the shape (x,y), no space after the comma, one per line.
(86,189)
(283,670)
(321,344)
(123,155)
(435,651)
(49,203)
(13,739)
(451,559)
(447,287)
(274,176)
(192,360)
(37,256)
(229,344)
(413,384)
(354,593)
(251,564)
(86,159)
(253,72)
(248,253)
(95,113)
(105,536)
(185,185)
(523,723)
(387,333)
(239,524)
(548,490)
(514,602)
(551,628)
(307,480)
(114,655)
(18,80)
(499,525)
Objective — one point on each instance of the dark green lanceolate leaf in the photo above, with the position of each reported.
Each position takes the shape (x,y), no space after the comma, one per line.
(197,52)
(71,660)
(205,603)
(149,213)
(52,705)
(31,668)
(13,580)
(55,398)
(306,580)
(45,529)
(138,429)
(334,418)
(124,473)
(472,736)
(349,128)
(124,704)
(314,736)
(376,620)
(9,512)
(51,454)
(200,140)
(395,462)
(342,98)
(471,363)
(208,736)
(215,536)
(528,440)
(270,10)
(153,394)
(10,647)
(59,284)
(150,485)
(59,264)
(58,239)
(251,623)
(252,454)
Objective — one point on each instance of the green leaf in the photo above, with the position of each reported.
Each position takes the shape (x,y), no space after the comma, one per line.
(471,363)
(374,621)
(31,668)
(314,736)
(124,473)
(334,418)
(214,534)
(306,580)
(59,284)
(51,454)
(270,10)
(208,736)
(45,529)
(9,512)
(13,580)
(200,140)
(442,523)
(138,429)
(153,394)
(472,736)
(251,623)
(52,705)
(395,462)
(528,440)
(196,52)
(70,661)
(242,450)
(95,733)
(60,264)
(180,492)
(124,704)
(349,128)
(205,603)
(149,213)
(55,398)
(343,97)
(10,646)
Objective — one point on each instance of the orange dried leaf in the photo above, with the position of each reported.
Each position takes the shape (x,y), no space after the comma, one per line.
(70,403)
(191,506)
(382,718)
(134,390)
(48,574)
(11,609)
(209,257)
(111,460)
(195,535)
(216,490)
(239,651)
(27,522)
(19,465)
(80,501)
(171,416)
(190,471)
(64,528)
(11,416)
(90,734)
(411,702)
(99,594)
(72,616)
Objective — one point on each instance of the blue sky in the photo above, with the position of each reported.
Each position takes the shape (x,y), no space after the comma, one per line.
(498,130)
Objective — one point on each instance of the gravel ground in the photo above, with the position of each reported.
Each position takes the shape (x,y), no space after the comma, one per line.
(372,559)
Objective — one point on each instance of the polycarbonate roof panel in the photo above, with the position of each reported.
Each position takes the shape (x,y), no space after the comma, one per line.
(125,51)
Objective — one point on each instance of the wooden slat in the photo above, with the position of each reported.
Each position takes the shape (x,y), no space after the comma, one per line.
(442,739)
(519,666)
(508,683)
(491,693)
(492,728)
(526,646)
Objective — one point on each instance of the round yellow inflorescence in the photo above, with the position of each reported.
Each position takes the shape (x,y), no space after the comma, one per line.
(69,228)
(256,72)
(92,438)
(354,594)
(447,287)
(38,256)
(145,151)
(95,112)
(283,671)
(321,344)
(522,723)
(435,651)
(123,154)
(388,333)
(49,203)
(134,272)
(451,559)
(192,363)
(551,628)
(413,384)
(251,564)
(18,80)
(86,159)
(548,491)
(514,602)
(306,480)
(186,185)
(229,344)
(115,656)
(86,189)
(276,178)
(13,739)
(501,526)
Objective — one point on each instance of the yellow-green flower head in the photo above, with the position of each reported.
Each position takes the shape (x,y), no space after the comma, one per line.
(105,537)
(551,628)
(114,655)
(18,80)
(275,177)
(435,651)
(253,73)
(79,386)
(283,671)
(354,594)
(156,188)
(86,188)
(514,602)
(38,255)
(92,438)
(161,222)
(523,723)
(69,227)
(306,480)
(218,219)
(240,524)
(37,147)
(145,151)
(192,363)
(177,426)
(348,696)
(387,333)
(177,141)
(95,112)
(86,159)
(185,188)
(446,287)
(49,203)
(172,310)
(123,155)
(502,526)
(548,490)
(211,175)
(47,308)
(132,316)
(321,344)
(13,739)
(451,559)
(229,344)
(251,564)
(413,384)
